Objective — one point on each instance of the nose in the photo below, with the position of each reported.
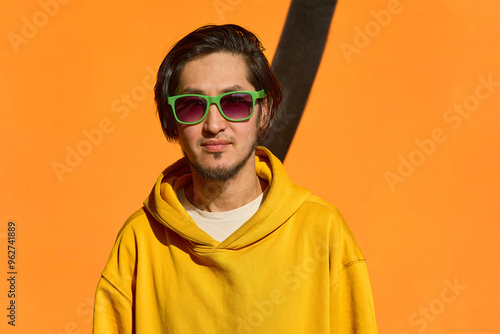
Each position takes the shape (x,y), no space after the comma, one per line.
(214,122)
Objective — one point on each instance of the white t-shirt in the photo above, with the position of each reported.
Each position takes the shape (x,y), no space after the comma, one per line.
(220,225)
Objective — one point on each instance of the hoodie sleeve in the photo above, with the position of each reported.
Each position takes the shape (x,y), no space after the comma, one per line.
(114,303)
(351,301)
(112,310)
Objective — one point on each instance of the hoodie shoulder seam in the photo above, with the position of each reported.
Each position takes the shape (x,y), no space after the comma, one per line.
(129,300)
(342,225)
(315,200)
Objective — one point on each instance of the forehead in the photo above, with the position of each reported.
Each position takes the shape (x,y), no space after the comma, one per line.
(214,73)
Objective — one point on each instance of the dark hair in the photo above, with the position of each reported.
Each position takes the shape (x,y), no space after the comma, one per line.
(209,39)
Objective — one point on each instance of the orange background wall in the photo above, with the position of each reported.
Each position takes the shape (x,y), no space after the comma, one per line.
(381,102)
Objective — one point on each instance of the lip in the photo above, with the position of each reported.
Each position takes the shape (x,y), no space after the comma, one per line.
(215,145)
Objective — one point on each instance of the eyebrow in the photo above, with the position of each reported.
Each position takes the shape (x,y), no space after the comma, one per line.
(189,90)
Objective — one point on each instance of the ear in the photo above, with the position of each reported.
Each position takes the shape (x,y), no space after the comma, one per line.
(264,114)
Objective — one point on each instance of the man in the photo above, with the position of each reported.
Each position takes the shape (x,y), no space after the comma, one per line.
(225,242)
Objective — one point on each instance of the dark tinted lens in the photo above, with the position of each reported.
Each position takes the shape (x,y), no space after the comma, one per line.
(237,105)
(190,109)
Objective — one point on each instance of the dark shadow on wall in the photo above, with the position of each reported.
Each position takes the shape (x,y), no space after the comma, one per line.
(295,64)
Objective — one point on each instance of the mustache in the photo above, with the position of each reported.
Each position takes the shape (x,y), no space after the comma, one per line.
(219,140)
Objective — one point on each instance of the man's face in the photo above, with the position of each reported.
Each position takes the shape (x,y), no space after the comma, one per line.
(217,148)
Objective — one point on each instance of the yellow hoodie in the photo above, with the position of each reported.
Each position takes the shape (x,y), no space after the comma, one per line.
(294,267)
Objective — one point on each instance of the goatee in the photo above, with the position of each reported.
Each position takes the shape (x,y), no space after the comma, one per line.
(219,174)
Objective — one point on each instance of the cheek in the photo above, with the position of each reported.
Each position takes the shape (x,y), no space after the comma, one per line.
(187,132)
(186,138)
(248,131)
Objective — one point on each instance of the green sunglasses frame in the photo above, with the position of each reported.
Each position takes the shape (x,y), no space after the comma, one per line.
(216,99)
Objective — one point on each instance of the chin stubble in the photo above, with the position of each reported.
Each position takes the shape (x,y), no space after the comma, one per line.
(220,174)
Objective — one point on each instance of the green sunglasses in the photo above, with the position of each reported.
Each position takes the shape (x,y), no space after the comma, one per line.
(234,106)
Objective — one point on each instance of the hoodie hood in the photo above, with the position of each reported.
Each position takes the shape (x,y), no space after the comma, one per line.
(282,201)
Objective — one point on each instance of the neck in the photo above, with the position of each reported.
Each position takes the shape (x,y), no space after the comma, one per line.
(227,195)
